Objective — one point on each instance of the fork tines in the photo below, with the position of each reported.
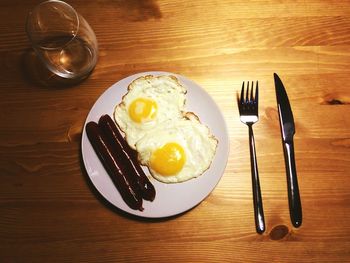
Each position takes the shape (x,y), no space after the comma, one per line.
(249,101)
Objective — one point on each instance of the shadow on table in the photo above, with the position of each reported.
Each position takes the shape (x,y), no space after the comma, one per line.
(139,10)
(113,208)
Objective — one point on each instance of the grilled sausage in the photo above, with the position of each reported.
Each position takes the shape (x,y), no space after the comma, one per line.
(128,156)
(109,161)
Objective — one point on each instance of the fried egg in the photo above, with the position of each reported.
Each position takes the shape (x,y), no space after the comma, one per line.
(150,101)
(177,151)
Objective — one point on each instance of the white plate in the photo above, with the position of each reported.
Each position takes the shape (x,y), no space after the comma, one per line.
(171,199)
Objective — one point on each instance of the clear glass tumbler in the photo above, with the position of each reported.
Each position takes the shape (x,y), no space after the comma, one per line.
(62,39)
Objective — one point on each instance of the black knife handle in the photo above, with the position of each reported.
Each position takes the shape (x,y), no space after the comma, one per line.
(258,206)
(292,184)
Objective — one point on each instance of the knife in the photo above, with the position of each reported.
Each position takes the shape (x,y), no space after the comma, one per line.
(288,130)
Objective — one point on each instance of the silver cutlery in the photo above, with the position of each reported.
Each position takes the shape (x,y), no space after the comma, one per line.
(248,111)
(288,130)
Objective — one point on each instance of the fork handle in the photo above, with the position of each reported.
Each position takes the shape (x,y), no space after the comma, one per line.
(258,206)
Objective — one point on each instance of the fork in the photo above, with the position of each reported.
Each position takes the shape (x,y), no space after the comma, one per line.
(248,111)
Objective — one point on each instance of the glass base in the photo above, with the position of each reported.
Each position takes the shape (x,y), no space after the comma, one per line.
(37,73)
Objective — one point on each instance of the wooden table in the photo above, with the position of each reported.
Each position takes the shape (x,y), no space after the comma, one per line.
(48,211)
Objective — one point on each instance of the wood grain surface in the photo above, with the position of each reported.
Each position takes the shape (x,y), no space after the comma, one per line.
(49,211)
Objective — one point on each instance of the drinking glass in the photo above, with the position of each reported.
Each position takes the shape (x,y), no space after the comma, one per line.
(62,39)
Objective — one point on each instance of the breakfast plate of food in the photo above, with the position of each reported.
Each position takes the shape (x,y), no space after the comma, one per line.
(155,144)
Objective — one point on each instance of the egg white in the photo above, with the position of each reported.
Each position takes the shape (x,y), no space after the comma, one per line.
(196,140)
(169,96)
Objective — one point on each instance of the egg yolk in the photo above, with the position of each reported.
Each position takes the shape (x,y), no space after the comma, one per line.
(142,109)
(169,159)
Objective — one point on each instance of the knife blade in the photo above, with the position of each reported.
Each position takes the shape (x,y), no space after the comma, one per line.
(288,130)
